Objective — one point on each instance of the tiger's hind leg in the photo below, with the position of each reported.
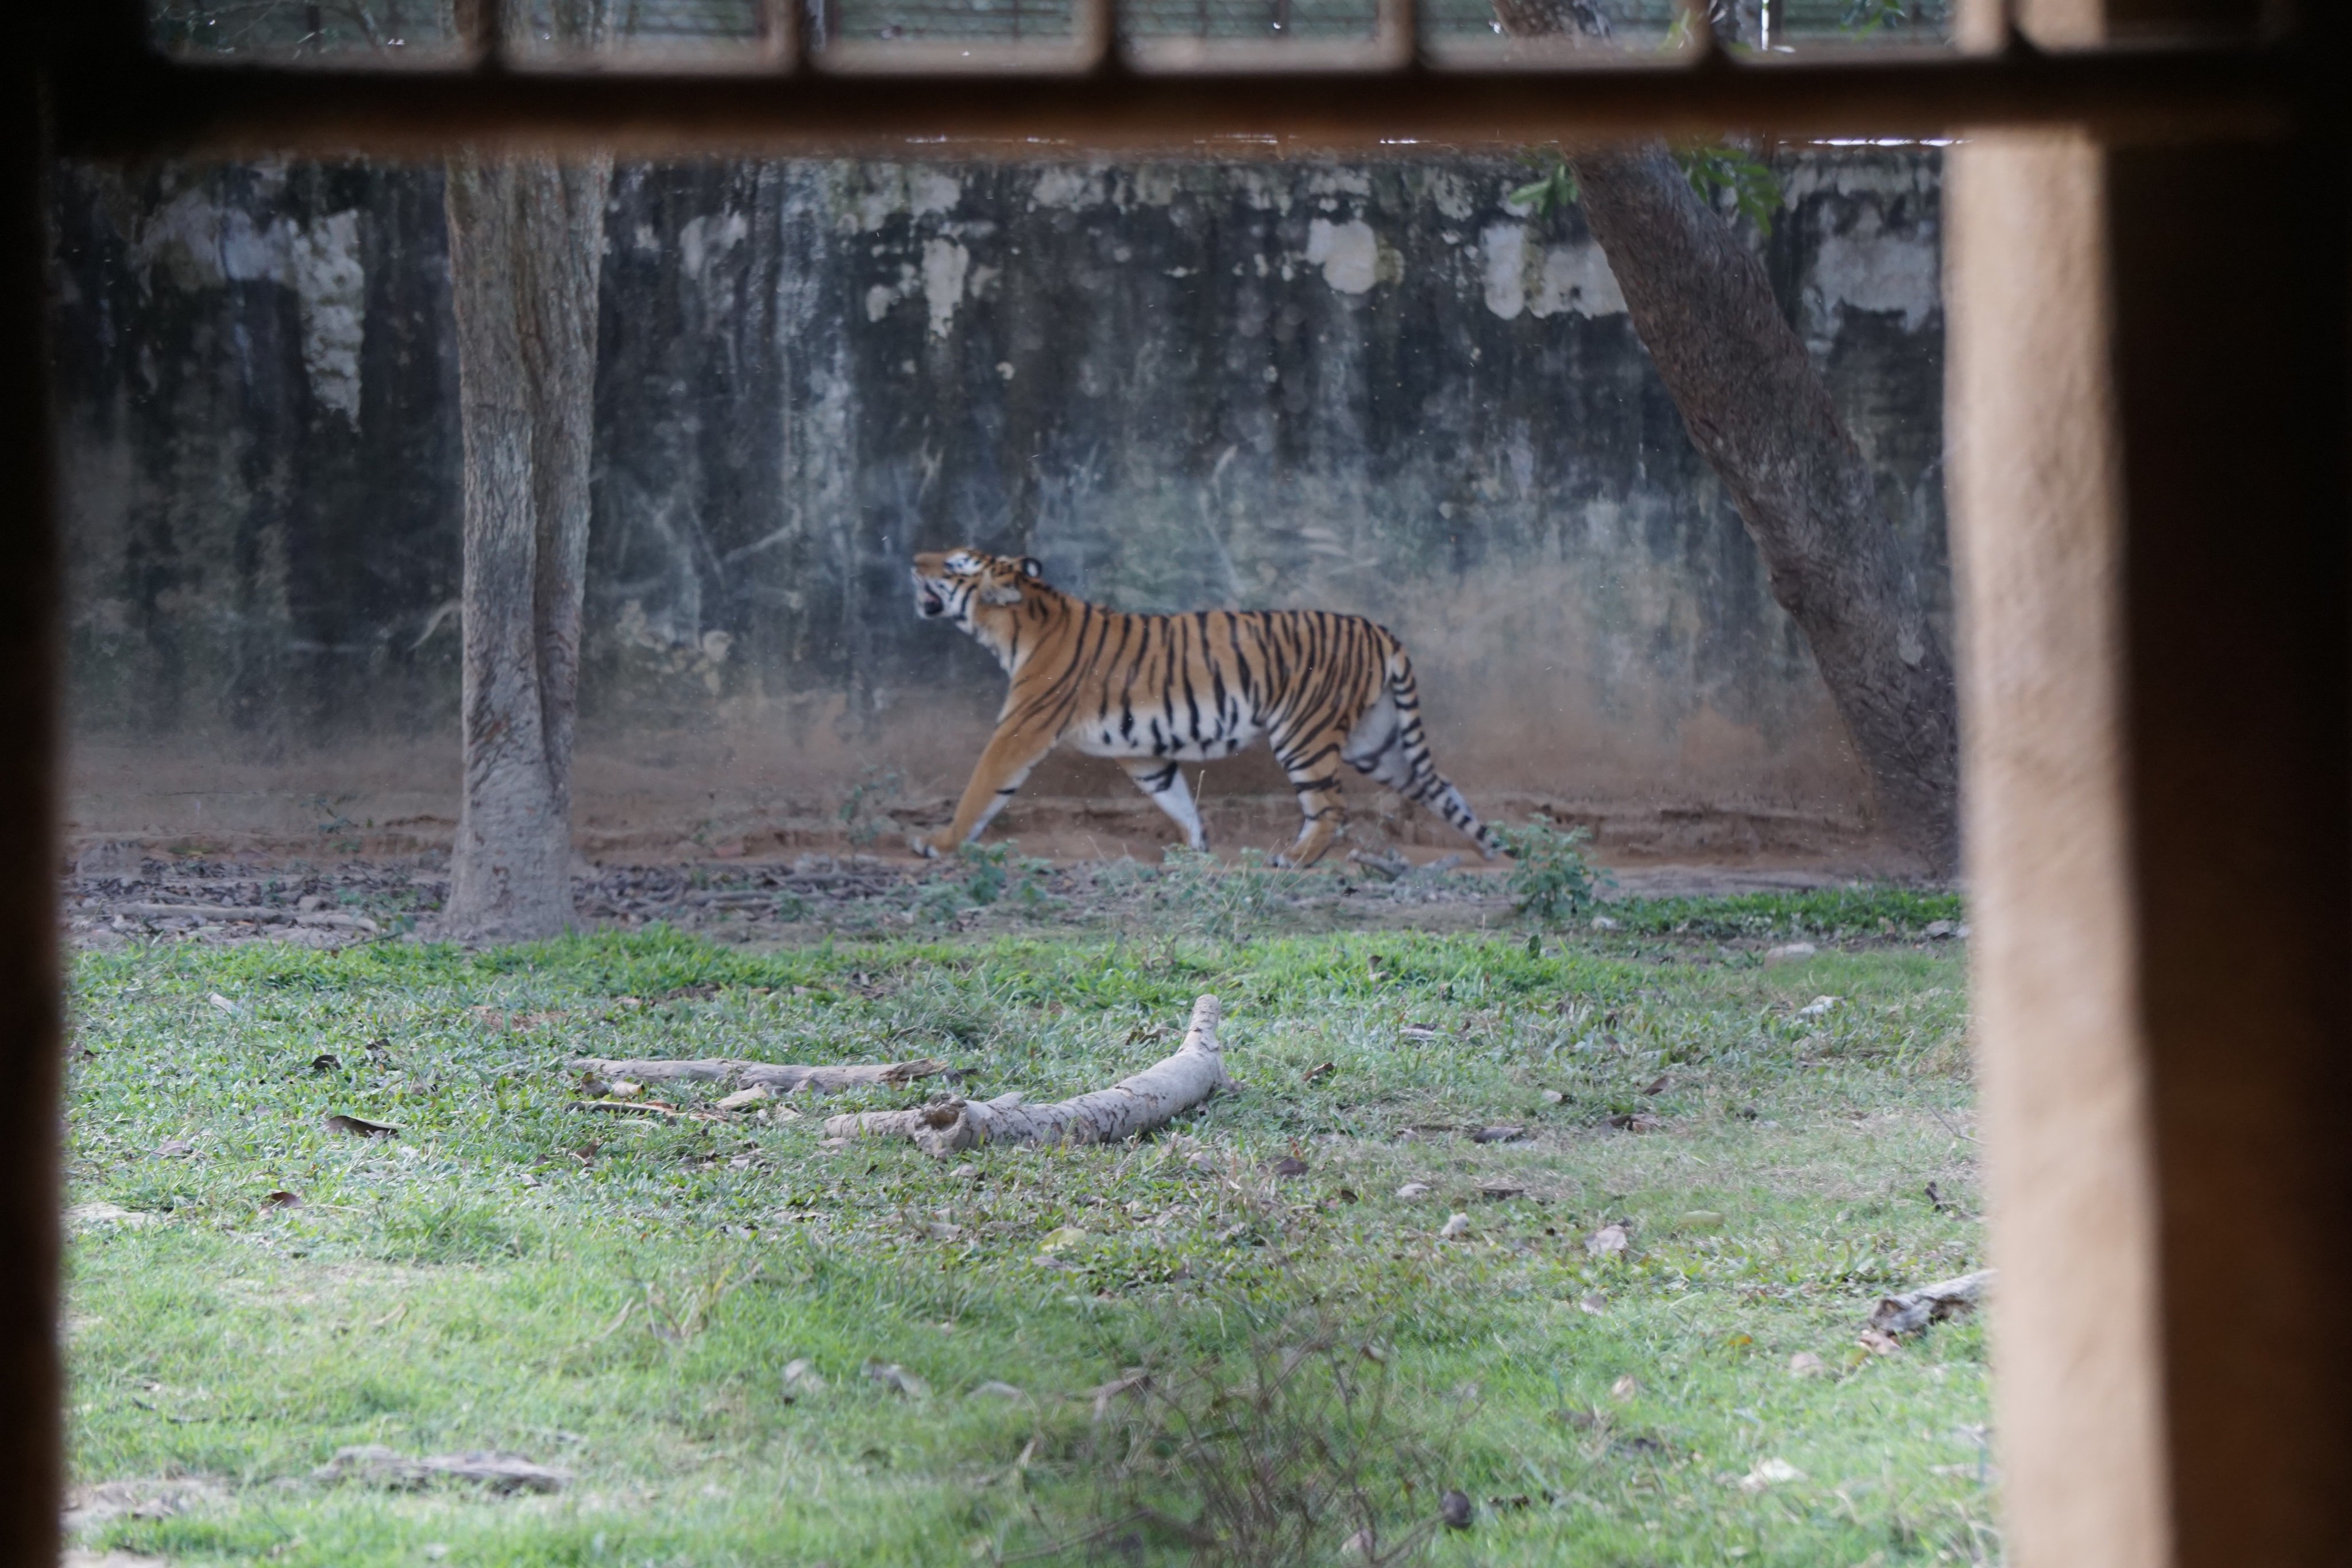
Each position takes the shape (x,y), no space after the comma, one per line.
(1388,745)
(1313,763)
(1163,781)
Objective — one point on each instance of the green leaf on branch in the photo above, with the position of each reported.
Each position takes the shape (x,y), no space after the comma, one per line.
(1554,193)
(1755,190)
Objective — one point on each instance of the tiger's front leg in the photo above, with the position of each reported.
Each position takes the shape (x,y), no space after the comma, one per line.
(1010,756)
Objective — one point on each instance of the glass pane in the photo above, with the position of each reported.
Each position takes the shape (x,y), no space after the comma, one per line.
(654,23)
(1249,19)
(945,21)
(1407,392)
(1782,26)
(1471,32)
(341,31)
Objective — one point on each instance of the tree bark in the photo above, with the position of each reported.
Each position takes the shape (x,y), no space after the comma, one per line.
(1762,417)
(526,241)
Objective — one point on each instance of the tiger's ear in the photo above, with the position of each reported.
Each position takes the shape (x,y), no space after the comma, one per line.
(1033,568)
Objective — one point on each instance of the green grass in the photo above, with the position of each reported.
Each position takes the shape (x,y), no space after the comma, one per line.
(475,1284)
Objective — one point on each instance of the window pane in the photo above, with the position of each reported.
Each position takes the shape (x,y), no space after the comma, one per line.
(341,31)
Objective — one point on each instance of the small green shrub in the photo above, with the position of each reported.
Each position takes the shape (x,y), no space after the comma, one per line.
(862,813)
(1550,875)
(984,882)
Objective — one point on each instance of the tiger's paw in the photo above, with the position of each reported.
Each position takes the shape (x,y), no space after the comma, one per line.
(928,846)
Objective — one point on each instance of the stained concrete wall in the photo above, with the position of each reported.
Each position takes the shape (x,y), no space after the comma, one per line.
(1372,387)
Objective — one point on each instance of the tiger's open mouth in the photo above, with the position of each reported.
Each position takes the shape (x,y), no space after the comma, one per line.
(929,604)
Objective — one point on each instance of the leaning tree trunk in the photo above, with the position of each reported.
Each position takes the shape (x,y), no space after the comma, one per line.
(1762,417)
(526,238)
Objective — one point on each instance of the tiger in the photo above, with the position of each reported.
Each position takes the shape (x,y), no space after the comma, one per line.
(1155,692)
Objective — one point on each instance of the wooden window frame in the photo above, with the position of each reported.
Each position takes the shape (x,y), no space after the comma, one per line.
(2149,266)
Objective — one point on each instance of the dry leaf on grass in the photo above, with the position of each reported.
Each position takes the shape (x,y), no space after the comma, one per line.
(1456,1226)
(1499,1134)
(891,1375)
(1770,1473)
(1323,1070)
(1820,1008)
(1594,1302)
(103,1213)
(1625,1387)
(1805,1364)
(1658,1086)
(1609,1241)
(1106,1394)
(1288,1165)
(1455,1509)
(1878,1343)
(801,1378)
(360,1126)
(1636,1122)
(1496,1192)
(1412,1190)
(283,1198)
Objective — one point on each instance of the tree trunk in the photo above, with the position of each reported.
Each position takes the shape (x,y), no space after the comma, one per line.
(1763,419)
(526,241)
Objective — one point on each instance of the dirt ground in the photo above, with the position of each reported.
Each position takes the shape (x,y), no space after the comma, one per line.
(116,893)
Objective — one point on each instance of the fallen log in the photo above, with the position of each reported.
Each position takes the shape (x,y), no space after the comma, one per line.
(781,1077)
(1915,1309)
(1135,1105)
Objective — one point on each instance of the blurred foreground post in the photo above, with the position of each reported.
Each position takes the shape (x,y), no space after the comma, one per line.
(2151,518)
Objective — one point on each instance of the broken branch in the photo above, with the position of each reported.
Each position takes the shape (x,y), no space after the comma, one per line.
(781,1077)
(1915,1309)
(1133,1106)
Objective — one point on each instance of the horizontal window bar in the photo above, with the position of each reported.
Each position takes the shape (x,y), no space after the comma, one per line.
(148,107)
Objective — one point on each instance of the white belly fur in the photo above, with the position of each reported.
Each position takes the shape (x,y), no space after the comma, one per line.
(1095,741)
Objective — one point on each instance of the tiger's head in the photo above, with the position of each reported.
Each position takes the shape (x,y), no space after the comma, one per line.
(966,584)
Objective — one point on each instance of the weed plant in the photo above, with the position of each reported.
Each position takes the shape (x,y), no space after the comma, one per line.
(1550,879)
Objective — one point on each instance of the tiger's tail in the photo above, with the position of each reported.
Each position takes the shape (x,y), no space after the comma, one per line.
(1403,763)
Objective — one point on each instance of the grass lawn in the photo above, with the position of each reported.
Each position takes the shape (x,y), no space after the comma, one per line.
(620,1296)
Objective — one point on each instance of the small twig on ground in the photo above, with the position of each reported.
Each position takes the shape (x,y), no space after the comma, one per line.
(1947,1126)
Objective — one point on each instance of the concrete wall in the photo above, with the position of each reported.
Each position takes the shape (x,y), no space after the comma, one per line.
(1372,387)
